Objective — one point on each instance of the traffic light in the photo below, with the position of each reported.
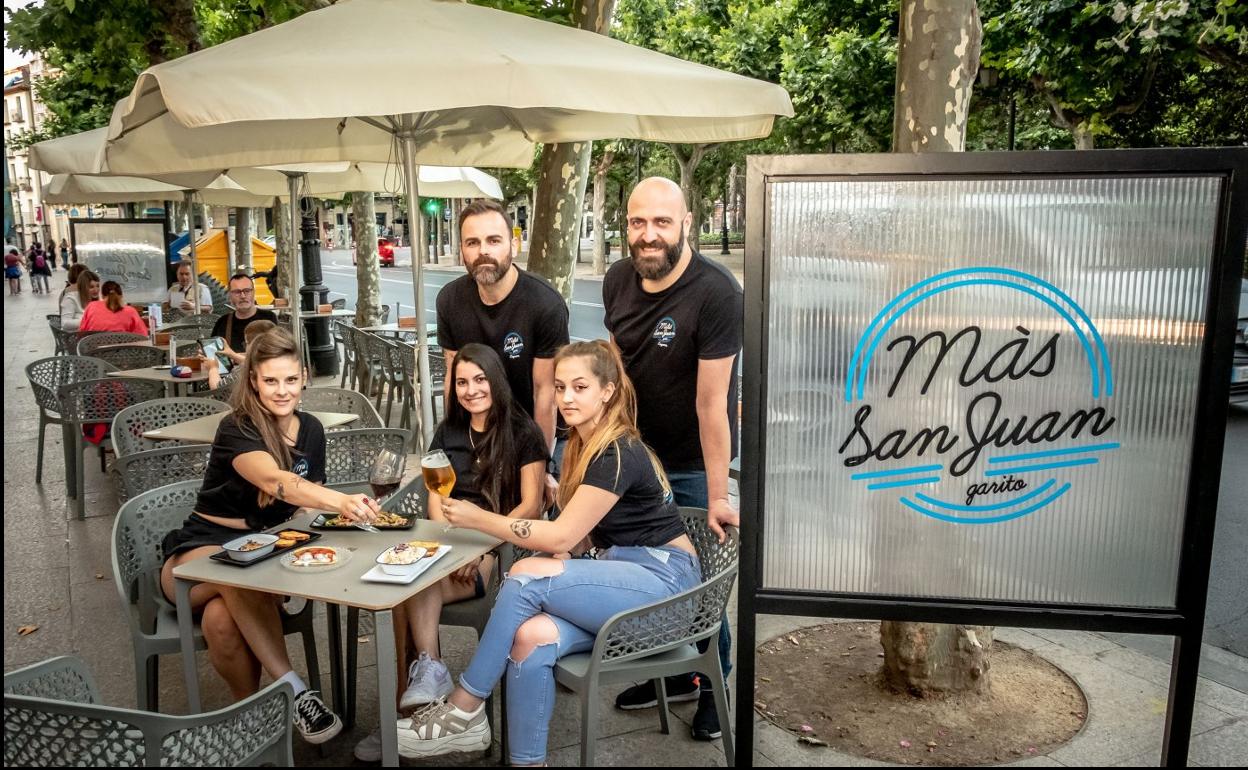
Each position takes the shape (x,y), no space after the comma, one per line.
(433,207)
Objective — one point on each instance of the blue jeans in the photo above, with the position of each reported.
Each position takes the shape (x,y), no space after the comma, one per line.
(579,601)
(689,488)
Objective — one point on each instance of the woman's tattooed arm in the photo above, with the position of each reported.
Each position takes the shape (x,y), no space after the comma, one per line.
(522,528)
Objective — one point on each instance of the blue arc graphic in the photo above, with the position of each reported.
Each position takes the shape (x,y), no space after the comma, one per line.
(990,519)
(860,362)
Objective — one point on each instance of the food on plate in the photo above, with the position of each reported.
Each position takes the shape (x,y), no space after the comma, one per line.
(284,543)
(383,519)
(431,546)
(403,553)
(315,556)
(251,545)
(294,534)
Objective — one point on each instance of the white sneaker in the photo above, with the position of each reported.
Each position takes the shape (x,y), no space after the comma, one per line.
(369,749)
(441,728)
(427,681)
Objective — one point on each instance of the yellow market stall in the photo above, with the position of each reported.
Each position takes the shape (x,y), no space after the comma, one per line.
(213,253)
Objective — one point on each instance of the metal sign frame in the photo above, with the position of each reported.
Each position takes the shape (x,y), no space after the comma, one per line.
(1186,621)
(163,222)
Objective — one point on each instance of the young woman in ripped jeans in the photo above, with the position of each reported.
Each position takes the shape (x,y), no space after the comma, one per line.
(613,493)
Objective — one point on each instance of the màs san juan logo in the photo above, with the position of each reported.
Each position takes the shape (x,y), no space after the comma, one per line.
(664,331)
(301,467)
(1008,458)
(513,345)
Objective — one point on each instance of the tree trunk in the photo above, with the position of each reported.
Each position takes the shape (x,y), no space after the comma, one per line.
(555,221)
(1082,134)
(242,239)
(556,240)
(600,211)
(937,61)
(688,156)
(283,247)
(455,253)
(730,200)
(367,268)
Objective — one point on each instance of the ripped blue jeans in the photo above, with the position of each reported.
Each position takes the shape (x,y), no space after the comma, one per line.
(579,601)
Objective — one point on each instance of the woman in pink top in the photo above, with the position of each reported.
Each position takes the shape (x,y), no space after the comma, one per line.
(111,313)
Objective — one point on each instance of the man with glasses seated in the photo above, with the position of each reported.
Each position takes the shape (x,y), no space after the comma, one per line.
(230,327)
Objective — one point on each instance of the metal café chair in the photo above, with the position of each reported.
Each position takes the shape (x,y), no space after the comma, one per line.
(141,471)
(53,718)
(46,376)
(349,454)
(343,401)
(659,640)
(132,422)
(68,339)
(87,346)
(54,325)
(94,402)
(131,357)
(343,331)
(140,527)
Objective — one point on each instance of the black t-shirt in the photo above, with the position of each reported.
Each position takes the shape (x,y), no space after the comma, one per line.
(225,493)
(236,340)
(661,337)
(643,515)
(531,322)
(454,440)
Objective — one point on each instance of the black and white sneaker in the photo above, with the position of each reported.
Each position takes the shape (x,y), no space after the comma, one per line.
(313,719)
(680,688)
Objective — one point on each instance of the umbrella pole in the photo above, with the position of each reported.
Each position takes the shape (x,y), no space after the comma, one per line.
(416,226)
(292,294)
(190,219)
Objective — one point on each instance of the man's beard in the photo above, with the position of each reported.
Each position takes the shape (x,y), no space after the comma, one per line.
(488,271)
(647,267)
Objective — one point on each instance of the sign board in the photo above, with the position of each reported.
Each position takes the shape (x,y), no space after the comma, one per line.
(988,388)
(128,251)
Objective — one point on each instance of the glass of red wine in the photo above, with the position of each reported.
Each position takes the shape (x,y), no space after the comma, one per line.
(387,473)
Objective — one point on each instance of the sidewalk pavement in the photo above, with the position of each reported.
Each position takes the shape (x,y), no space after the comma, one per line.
(58,577)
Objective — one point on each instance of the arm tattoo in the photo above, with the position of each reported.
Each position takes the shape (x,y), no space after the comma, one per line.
(522,528)
(281,491)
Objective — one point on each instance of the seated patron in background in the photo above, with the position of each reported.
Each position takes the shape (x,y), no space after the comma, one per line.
(499,457)
(182,294)
(82,288)
(230,327)
(215,378)
(111,313)
(266,462)
(612,491)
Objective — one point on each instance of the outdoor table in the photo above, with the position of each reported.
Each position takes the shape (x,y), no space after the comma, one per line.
(393,328)
(340,313)
(339,586)
(135,344)
(203,430)
(188,322)
(178,384)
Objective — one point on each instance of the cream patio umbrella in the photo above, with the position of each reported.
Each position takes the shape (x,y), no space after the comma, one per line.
(472,85)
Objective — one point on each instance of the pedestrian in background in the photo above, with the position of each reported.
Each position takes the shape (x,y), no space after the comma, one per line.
(40,270)
(13,271)
(111,313)
(64,253)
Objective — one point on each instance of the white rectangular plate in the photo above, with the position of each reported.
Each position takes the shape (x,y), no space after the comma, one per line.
(375,575)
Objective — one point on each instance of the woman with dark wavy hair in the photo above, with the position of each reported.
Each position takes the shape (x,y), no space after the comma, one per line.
(499,457)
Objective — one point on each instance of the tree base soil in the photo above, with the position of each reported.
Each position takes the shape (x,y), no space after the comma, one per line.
(823,684)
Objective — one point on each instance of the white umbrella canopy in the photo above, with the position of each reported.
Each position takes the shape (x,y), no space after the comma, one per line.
(84,188)
(471,86)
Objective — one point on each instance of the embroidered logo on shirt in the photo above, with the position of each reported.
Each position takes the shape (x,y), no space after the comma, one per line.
(513,345)
(301,467)
(664,331)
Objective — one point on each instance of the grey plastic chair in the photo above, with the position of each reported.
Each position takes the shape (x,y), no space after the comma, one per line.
(411,500)
(139,472)
(343,335)
(344,401)
(93,342)
(92,402)
(53,718)
(54,325)
(132,422)
(658,640)
(68,339)
(132,357)
(349,454)
(46,376)
(140,527)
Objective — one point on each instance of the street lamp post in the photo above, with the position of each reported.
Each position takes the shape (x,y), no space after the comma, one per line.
(314,292)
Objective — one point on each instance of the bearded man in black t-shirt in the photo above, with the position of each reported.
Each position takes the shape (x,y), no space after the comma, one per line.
(677,319)
(498,305)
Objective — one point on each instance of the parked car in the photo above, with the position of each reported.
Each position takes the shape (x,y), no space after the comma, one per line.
(385,252)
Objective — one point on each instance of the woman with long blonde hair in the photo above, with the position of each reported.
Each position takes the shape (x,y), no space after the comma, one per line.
(267,461)
(614,493)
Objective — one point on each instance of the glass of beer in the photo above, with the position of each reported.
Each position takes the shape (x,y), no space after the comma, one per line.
(439,475)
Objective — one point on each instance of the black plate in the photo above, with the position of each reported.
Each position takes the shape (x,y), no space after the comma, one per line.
(319,523)
(224,557)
